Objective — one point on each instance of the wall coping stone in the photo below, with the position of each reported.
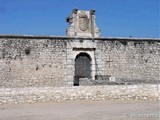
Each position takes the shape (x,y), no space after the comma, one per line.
(78,38)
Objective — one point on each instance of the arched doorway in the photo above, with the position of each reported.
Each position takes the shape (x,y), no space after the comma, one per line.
(82,67)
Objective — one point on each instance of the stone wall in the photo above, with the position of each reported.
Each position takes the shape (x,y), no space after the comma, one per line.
(125,59)
(32,61)
(41,69)
(58,94)
(129,59)
(44,61)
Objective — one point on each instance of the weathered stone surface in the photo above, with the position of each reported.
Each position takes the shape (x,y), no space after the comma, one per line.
(40,69)
(82,23)
(59,94)
(42,65)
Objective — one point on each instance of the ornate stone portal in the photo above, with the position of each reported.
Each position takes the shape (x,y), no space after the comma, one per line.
(82,24)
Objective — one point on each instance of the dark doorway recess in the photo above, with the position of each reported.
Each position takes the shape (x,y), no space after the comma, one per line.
(82,67)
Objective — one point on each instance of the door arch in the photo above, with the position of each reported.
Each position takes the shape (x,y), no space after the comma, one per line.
(82,67)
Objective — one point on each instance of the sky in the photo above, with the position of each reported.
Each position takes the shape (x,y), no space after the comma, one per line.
(115,18)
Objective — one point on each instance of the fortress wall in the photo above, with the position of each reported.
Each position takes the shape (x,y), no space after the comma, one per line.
(49,61)
(137,60)
(35,69)
(32,62)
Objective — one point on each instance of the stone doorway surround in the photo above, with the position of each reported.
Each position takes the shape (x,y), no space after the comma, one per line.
(75,47)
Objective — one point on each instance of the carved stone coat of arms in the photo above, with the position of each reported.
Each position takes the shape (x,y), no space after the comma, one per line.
(83,22)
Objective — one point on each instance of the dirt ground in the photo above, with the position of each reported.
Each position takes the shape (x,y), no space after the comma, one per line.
(82,110)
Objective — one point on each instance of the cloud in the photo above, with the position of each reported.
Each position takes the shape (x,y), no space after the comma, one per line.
(3,10)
